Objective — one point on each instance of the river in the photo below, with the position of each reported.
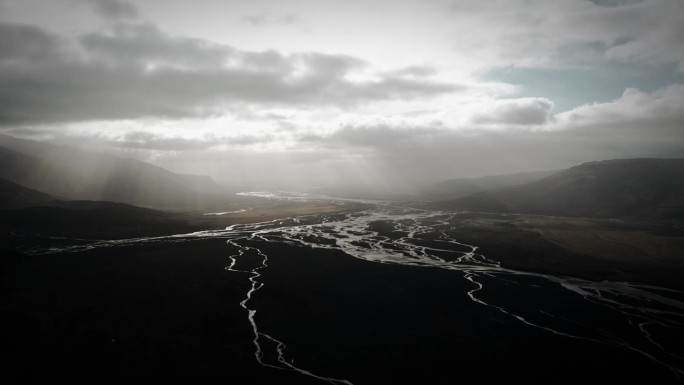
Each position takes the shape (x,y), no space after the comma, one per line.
(622,315)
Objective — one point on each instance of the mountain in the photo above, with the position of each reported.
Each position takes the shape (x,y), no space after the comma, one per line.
(14,196)
(200,183)
(76,174)
(25,213)
(643,188)
(462,187)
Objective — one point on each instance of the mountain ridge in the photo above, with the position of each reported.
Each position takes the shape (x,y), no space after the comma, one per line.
(77,174)
(641,187)
(462,187)
(13,196)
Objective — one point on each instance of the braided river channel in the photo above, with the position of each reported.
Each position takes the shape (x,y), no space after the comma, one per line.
(390,292)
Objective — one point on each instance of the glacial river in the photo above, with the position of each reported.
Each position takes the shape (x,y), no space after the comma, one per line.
(642,316)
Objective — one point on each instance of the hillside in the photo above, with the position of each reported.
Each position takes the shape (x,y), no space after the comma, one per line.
(13,195)
(71,173)
(643,188)
(200,183)
(462,187)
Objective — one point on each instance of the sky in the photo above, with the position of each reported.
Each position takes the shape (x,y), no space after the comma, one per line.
(347,93)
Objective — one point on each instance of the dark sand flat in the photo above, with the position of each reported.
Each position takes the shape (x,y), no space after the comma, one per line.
(170,312)
(146,313)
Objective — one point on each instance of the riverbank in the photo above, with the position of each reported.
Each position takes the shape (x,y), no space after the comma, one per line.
(595,249)
(45,227)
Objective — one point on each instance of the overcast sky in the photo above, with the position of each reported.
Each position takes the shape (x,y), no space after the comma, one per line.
(347,92)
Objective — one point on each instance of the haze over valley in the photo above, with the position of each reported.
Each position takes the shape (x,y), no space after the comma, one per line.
(342,192)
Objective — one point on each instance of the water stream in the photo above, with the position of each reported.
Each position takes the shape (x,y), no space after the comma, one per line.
(387,234)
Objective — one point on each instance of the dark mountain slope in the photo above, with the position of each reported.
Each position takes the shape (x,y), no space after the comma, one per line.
(462,187)
(13,195)
(201,183)
(76,174)
(644,188)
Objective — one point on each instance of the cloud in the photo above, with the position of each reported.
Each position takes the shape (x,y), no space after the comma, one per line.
(660,108)
(637,124)
(270,18)
(136,70)
(415,71)
(144,44)
(614,3)
(661,42)
(403,154)
(135,139)
(149,141)
(24,43)
(115,9)
(374,136)
(542,33)
(512,112)
(408,114)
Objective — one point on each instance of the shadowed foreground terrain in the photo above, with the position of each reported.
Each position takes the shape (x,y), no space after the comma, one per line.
(170,311)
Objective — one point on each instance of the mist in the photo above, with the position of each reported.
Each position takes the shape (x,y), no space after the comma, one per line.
(313,110)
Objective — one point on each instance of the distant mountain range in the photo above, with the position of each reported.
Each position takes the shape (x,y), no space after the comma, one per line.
(74,174)
(462,187)
(39,174)
(642,188)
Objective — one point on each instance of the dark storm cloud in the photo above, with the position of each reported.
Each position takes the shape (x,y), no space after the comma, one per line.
(144,43)
(136,70)
(20,42)
(115,9)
